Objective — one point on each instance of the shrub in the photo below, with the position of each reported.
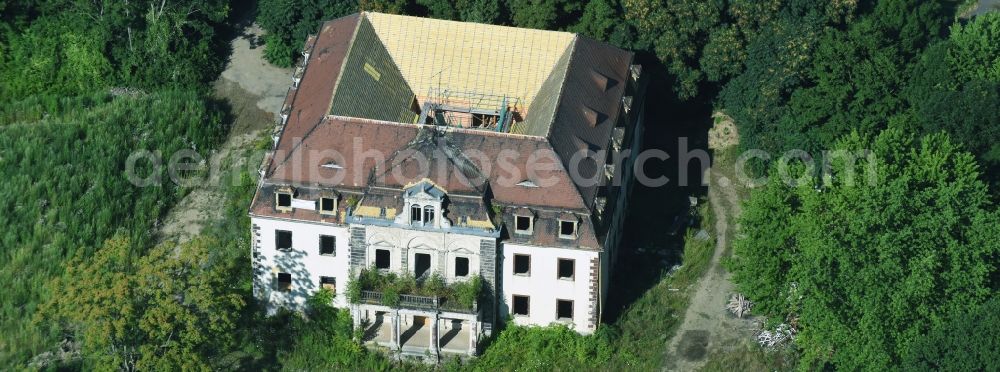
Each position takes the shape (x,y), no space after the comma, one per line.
(390,296)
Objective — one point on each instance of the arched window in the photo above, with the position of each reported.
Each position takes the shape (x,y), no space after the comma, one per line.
(428,214)
(415,213)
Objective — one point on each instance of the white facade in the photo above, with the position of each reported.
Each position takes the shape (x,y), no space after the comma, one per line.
(542,285)
(404,245)
(303,261)
(544,288)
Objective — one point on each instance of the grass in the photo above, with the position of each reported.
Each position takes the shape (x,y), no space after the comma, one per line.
(750,357)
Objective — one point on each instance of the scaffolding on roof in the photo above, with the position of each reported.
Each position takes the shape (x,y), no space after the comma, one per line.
(470,109)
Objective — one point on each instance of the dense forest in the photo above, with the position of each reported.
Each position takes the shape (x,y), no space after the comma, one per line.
(896,275)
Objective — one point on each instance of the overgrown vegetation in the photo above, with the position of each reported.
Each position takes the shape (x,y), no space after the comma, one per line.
(463,293)
(70,47)
(173,308)
(866,265)
(66,137)
(66,192)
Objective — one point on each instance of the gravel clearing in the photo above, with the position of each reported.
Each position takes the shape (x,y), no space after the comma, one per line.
(254,90)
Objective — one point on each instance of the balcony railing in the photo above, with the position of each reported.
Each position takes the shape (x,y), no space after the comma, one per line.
(418,302)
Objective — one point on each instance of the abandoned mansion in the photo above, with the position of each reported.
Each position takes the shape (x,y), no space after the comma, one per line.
(440,177)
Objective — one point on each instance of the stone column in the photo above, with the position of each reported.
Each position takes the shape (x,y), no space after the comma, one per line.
(356,315)
(395,329)
(435,348)
(473,336)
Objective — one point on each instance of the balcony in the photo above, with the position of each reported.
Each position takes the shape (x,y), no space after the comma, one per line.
(431,303)
(374,287)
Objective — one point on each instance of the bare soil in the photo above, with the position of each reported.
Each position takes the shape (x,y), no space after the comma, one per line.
(255,75)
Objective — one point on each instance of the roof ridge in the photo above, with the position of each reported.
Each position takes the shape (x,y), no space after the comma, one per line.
(555,117)
(562,85)
(446,129)
(468,22)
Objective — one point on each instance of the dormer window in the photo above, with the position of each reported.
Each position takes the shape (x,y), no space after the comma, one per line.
(567,229)
(421,215)
(283,200)
(416,214)
(528,183)
(327,205)
(428,214)
(332,165)
(523,224)
(426,203)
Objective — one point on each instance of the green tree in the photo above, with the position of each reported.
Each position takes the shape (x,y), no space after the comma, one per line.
(74,46)
(327,341)
(65,161)
(767,251)
(955,87)
(289,22)
(600,17)
(965,342)
(974,53)
(480,11)
(808,80)
(878,263)
(676,30)
(171,309)
(544,14)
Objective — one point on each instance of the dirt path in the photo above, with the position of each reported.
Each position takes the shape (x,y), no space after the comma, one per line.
(254,90)
(707,325)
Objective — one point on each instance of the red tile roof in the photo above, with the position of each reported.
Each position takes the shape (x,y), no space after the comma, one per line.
(357,146)
(312,98)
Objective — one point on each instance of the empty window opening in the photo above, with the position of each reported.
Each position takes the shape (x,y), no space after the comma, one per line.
(327,245)
(382,258)
(522,224)
(327,282)
(485,120)
(421,264)
(567,268)
(567,229)
(284,200)
(428,214)
(564,309)
(522,264)
(415,213)
(283,240)
(284,282)
(520,305)
(327,205)
(461,266)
